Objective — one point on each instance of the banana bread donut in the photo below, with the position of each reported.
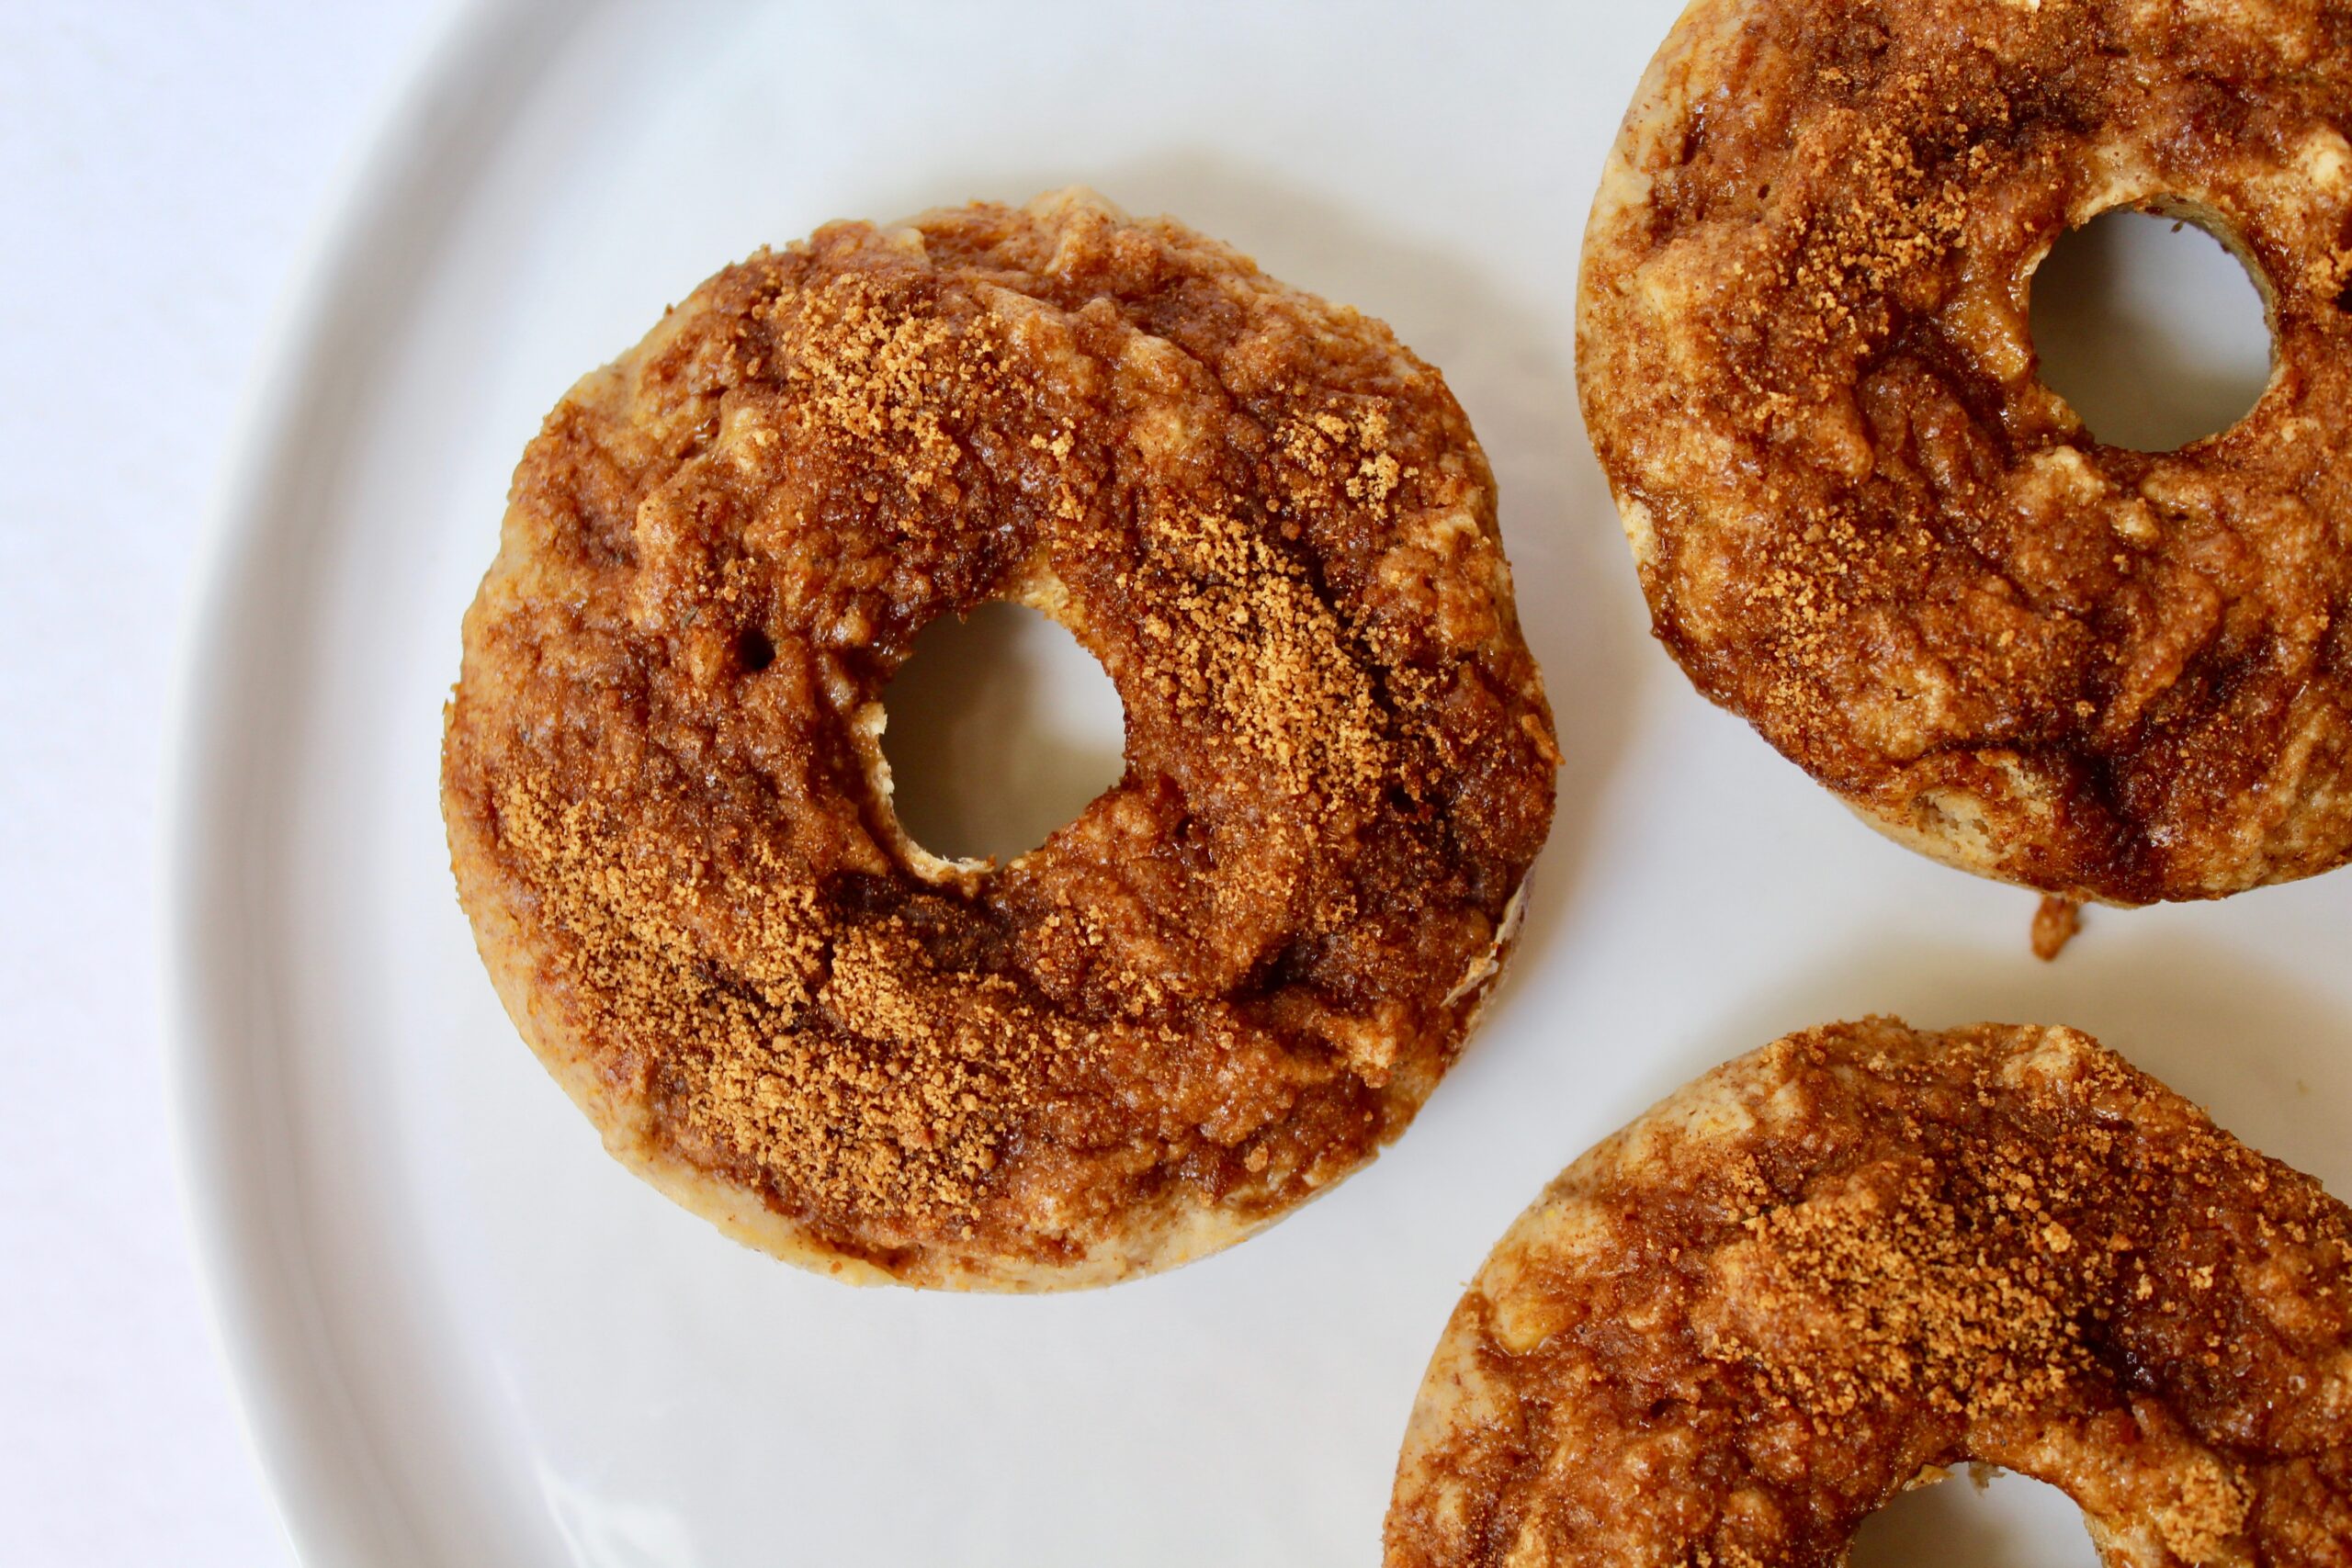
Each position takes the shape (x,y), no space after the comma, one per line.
(1825,1271)
(1220,988)
(1863,522)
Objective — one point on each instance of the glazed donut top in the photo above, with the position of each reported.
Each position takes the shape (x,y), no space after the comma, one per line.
(1829,1268)
(1220,988)
(1865,525)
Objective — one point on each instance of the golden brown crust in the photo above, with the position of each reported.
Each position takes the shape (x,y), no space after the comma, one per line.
(1866,526)
(1220,988)
(1828,1269)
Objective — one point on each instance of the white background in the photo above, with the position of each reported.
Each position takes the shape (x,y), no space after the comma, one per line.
(160,167)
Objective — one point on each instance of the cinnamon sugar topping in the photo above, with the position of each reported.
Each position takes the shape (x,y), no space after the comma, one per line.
(1863,1253)
(1220,988)
(1864,524)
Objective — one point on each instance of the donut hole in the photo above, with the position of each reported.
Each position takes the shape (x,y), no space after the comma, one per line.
(2152,329)
(754,651)
(1977,1518)
(1000,728)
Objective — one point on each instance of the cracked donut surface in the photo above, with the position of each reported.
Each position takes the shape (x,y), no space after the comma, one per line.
(1224,984)
(1825,1271)
(1865,525)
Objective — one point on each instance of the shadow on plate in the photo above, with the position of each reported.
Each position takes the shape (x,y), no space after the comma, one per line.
(2268,1054)
(2156,337)
(2013,1522)
(1001,729)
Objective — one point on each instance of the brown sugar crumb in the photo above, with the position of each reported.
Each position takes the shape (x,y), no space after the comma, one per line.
(2056,921)
(1867,1254)
(1219,989)
(1910,1303)
(838,1065)
(877,371)
(1240,641)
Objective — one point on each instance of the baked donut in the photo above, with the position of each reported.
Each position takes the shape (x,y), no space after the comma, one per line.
(1863,522)
(1825,1270)
(1226,984)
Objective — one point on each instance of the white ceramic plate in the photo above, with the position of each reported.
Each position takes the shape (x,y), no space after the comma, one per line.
(466,1337)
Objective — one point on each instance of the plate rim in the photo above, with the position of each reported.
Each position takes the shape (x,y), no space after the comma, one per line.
(315,1468)
(333,1503)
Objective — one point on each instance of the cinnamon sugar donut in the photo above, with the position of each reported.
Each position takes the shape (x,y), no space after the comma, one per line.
(1219,989)
(1825,1271)
(1864,524)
